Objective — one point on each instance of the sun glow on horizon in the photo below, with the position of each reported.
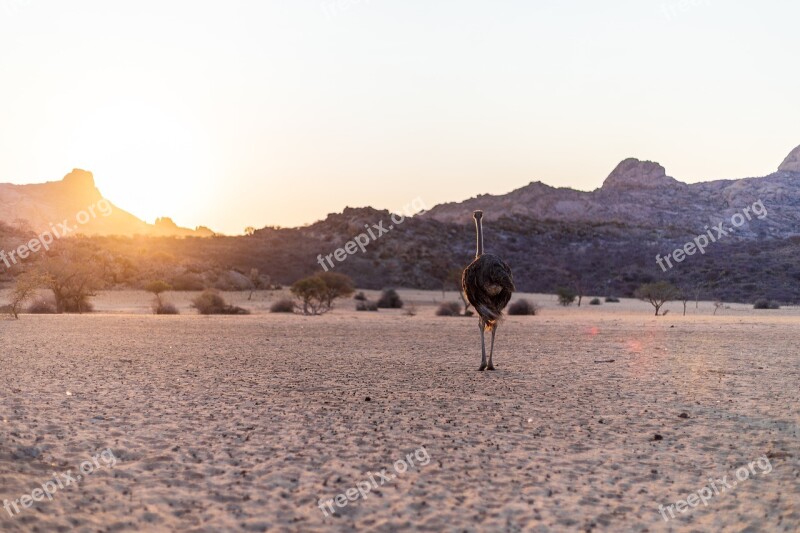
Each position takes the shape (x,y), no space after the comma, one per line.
(146,160)
(280,112)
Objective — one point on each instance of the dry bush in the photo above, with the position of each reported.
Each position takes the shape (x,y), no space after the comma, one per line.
(165,309)
(210,302)
(42,306)
(449,309)
(366,305)
(522,307)
(284,305)
(390,300)
(763,303)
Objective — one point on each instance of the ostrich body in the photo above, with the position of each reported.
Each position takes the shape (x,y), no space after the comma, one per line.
(488,285)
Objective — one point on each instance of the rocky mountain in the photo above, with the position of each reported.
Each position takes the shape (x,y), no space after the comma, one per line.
(641,193)
(602,243)
(38,206)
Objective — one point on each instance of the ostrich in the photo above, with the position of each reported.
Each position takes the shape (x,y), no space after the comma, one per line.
(488,284)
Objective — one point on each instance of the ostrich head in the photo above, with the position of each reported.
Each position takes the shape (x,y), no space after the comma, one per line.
(478,215)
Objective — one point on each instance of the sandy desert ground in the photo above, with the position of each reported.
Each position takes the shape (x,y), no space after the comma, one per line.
(594,418)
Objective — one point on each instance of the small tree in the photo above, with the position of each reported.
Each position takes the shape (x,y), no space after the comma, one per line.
(73,275)
(312,293)
(256,282)
(657,293)
(25,287)
(336,286)
(684,298)
(566,296)
(157,287)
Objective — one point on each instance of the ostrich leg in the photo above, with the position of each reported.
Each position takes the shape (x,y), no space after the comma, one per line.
(483,346)
(491,349)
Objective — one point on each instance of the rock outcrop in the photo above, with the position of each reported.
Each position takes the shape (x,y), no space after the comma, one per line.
(792,162)
(634,174)
(37,206)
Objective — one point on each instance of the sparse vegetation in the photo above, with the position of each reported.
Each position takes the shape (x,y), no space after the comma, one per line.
(612,300)
(522,307)
(284,305)
(566,296)
(210,302)
(366,305)
(73,276)
(449,309)
(390,300)
(317,293)
(311,293)
(25,288)
(42,306)
(336,286)
(360,297)
(165,309)
(159,307)
(763,303)
(657,294)
(595,301)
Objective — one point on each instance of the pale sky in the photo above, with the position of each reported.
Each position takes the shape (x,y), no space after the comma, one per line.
(277,112)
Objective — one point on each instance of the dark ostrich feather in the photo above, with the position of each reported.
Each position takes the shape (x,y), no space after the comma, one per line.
(488,284)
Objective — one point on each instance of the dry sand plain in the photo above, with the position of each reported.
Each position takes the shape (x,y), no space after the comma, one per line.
(245,423)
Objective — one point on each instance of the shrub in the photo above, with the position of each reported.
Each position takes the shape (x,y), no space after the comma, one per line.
(522,308)
(595,301)
(763,303)
(449,309)
(311,292)
(612,300)
(366,306)
(284,305)
(211,303)
(390,300)
(42,306)
(317,293)
(157,287)
(566,296)
(77,303)
(336,286)
(159,306)
(657,293)
(360,297)
(165,309)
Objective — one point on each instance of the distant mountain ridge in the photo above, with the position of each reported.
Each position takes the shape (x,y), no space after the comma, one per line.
(641,193)
(36,206)
(602,243)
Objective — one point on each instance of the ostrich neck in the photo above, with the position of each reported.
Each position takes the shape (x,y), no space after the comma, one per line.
(479,229)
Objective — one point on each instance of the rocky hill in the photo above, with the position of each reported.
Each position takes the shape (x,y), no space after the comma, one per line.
(603,242)
(36,207)
(642,194)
